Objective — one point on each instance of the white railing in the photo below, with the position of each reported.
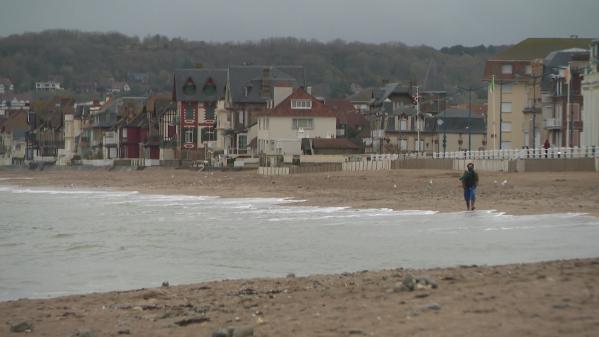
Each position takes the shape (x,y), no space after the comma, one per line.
(395,156)
(553,123)
(537,153)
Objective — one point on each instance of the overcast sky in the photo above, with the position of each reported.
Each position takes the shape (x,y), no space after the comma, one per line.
(435,23)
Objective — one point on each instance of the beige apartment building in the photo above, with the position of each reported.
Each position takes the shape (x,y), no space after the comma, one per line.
(515,104)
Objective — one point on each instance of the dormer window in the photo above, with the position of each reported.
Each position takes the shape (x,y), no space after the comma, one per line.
(209,88)
(248,90)
(301,104)
(189,88)
(506,69)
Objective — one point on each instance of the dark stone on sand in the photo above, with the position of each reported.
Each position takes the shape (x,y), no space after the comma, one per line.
(291,275)
(193,320)
(561,306)
(426,282)
(165,284)
(247,291)
(24,326)
(124,332)
(409,282)
(431,307)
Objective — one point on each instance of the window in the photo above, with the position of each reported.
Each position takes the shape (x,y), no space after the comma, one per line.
(124,132)
(304,123)
(403,124)
(247,90)
(506,145)
(506,126)
(189,136)
(507,88)
(403,144)
(528,69)
(210,107)
(242,141)
(209,88)
(189,113)
(506,69)
(189,88)
(301,104)
(506,107)
(207,134)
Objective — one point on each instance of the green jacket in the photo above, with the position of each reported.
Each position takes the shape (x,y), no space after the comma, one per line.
(469,179)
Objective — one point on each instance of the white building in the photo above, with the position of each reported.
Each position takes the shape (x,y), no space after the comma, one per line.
(47,86)
(299,116)
(590,97)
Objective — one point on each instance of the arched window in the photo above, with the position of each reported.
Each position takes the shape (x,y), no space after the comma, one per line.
(209,88)
(189,88)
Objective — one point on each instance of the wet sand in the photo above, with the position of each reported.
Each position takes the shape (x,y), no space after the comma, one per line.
(513,193)
(559,298)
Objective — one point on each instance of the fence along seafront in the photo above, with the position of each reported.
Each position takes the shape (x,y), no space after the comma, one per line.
(519,160)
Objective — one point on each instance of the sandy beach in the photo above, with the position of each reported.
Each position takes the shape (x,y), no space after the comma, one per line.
(556,298)
(513,193)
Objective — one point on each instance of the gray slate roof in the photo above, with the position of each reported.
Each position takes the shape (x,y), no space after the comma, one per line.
(200,77)
(251,77)
(381,94)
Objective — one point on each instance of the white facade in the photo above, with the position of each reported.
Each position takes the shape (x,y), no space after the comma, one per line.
(282,135)
(590,97)
(47,86)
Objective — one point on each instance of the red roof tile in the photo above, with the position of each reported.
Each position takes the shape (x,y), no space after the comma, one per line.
(284,109)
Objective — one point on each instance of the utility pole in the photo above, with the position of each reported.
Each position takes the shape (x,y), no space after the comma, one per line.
(500,114)
(569,114)
(470,119)
(418,119)
(534,112)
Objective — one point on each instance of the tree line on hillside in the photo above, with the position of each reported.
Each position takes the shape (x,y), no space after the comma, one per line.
(332,68)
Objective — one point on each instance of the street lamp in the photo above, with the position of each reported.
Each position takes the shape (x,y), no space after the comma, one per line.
(470,90)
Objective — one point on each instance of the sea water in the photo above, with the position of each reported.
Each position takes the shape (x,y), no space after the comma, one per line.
(68,241)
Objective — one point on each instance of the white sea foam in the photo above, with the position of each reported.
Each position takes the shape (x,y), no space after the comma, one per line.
(73,240)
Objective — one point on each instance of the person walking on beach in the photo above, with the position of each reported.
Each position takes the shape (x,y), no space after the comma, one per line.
(469,182)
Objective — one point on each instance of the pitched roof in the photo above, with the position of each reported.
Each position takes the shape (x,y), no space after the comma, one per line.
(364,95)
(205,85)
(284,109)
(340,105)
(390,89)
(534,48)
(256,78)
(15,123)
(562,57)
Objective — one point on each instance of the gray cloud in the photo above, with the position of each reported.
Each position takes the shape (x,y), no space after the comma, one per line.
(431,22)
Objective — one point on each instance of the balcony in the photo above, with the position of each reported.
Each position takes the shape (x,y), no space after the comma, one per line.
(553,124)
(530,109)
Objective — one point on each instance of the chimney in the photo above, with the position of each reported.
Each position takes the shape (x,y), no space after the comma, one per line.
(309,90)
(266,86)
